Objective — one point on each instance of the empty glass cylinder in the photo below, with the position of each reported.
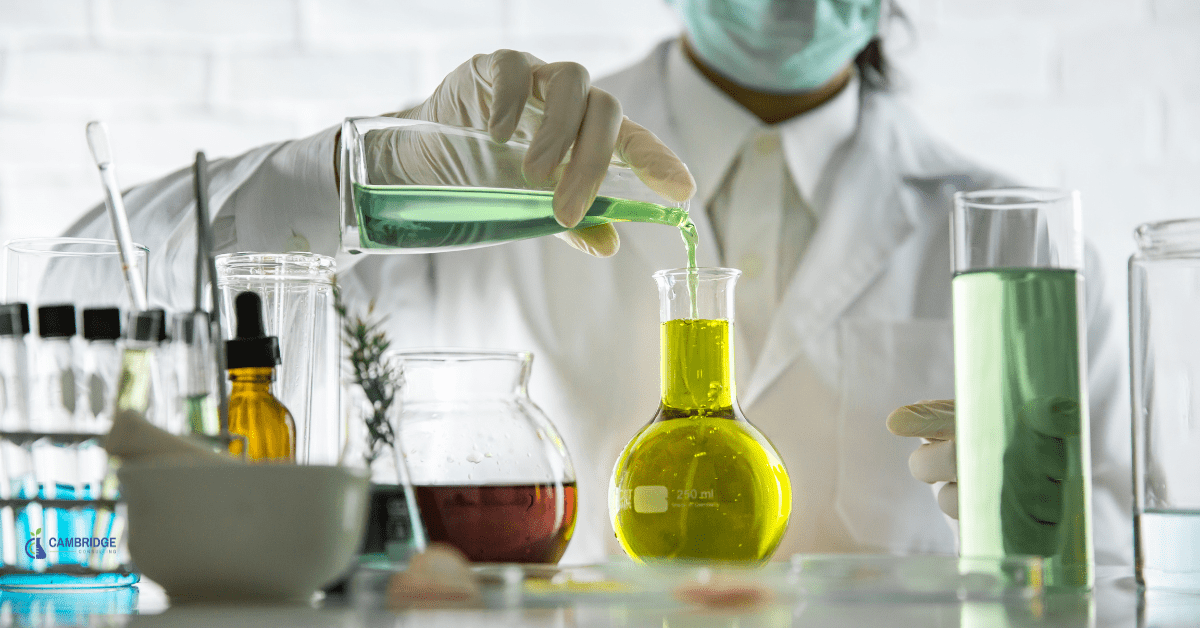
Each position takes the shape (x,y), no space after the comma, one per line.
(1164,308)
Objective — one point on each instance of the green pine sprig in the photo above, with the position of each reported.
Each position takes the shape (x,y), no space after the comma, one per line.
(380,382)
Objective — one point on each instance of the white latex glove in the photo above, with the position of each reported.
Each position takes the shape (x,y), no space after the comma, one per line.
(1036,493)
(934,461)
(554,108)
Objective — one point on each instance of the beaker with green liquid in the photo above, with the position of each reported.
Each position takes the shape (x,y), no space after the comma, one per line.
(1020,380)
(410,186)
(699,482)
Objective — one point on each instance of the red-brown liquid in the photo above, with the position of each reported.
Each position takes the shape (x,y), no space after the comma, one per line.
(500,523)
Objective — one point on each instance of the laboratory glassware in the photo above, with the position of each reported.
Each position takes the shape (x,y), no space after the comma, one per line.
(1020,379)
(491,473)
(371,396)
(135,285)
(196,373)
(81,271)
(297,296)
(699,482)
(55,392)
(254,413)
(1164,307)
(476,196)
(14,367)
(63,524)
(99,365)
(61,521)
(163,411)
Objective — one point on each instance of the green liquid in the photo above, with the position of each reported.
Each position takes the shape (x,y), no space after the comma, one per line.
(201,413)
(423,219)
(429,219)
(1022,429)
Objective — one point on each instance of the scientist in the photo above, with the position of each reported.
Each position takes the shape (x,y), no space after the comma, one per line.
(809,176)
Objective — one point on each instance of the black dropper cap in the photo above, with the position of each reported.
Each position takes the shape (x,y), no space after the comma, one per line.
(252,348)
(101,323)
(10,321)
(56,321)
(146,326)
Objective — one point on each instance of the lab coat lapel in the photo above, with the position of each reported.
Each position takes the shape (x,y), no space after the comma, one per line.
(865,219)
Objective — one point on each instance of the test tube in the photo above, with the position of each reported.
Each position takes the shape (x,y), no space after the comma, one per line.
(198,379)
(14,368)
(56,395)
(163,410)
(101,364)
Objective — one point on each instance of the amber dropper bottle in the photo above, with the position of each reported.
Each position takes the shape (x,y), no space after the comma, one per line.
(253,411)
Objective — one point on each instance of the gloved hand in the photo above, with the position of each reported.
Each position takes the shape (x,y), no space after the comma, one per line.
(554,108)
(934,461)
(1037,490)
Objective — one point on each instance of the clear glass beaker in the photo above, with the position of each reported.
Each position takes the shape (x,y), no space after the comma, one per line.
(61,522)
(1164,310)
(1020,379)
(297,297)
(699,481)
(84,272)
(410,186)
(491,473)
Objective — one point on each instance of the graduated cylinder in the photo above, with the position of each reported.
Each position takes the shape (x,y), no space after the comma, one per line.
(1020,375)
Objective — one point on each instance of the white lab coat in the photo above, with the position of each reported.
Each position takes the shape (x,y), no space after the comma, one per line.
(863,327)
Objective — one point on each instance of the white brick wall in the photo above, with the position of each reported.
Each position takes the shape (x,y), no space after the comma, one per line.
(1099,95)
(1102,95)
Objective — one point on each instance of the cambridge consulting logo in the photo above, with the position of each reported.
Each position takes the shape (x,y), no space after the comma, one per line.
(34,546)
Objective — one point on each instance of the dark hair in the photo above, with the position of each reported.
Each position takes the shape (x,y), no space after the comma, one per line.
(873,66)
(872,62)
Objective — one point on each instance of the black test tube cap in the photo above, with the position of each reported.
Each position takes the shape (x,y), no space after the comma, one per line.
(10,321)
(56,321)
(146,326)
(101,323)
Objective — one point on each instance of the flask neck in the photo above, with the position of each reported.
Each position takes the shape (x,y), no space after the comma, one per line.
(461,375)
(697,365)
(256,379)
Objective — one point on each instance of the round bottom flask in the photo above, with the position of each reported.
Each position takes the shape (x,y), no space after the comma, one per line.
(699,481)
(490,472)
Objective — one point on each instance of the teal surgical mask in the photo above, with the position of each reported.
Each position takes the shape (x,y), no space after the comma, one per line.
(779,45)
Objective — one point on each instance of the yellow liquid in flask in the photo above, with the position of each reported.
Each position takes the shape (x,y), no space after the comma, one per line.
(699,482)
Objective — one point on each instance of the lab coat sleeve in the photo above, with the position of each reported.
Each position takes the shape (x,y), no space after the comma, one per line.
(275,198)
(1108,406)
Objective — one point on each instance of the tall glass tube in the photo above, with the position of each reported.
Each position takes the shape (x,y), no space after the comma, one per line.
(195,360)
(699,482)
(1164,306)
(1024,470)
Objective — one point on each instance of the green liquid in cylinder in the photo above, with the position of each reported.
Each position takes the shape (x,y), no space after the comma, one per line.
(699,482)
(1022,427)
